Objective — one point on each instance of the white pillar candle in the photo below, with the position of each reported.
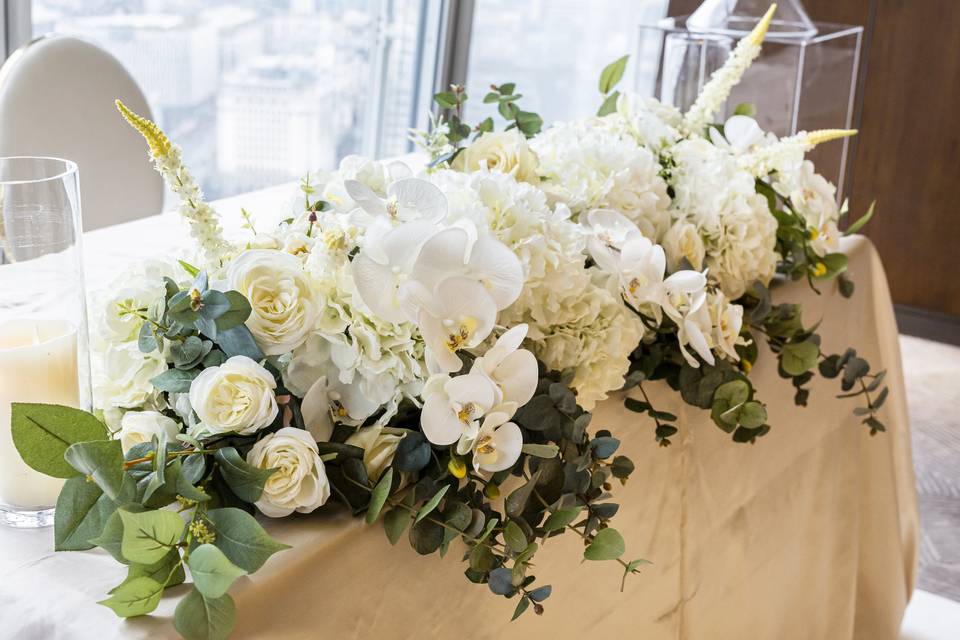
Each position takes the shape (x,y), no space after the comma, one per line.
(38,363)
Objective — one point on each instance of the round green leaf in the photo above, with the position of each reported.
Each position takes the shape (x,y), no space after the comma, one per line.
(607,545)
(199,618)
(135,597)
(149,535)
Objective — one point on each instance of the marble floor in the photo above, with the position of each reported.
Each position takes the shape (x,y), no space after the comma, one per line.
(932,375)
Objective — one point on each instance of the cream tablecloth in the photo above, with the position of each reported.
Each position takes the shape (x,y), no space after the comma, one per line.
(811,533)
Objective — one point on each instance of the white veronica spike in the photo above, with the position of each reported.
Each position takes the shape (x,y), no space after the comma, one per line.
(724,79)
(762,160)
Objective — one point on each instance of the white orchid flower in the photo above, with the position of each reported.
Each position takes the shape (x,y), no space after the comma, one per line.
(496,445)
(639,268)
(328,403)
(727,320)
(610,227)
(385,264)
(513,370)
(453,407)
(407,199)
(740,133)
(459,314)
(685,302)
(453,252)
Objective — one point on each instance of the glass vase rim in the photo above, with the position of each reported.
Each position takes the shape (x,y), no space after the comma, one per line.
(70,168)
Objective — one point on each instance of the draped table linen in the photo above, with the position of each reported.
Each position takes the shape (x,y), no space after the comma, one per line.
(810,532)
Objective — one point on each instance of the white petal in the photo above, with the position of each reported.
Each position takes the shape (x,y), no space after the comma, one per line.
(518,375)
(377,285)
(315,408)
(424,198)
(508,441)
(505,345)
(402,244)
(686,281)
(471,388)
(498,269)
(605,258)
(464,299)
(742,132)
(365,197)
(611,226)
(442,256)
(698,341)
(440,425)
(399,170)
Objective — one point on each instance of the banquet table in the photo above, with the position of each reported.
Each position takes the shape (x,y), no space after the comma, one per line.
(810,532)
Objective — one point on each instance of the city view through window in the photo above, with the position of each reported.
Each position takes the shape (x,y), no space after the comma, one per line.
(257,93)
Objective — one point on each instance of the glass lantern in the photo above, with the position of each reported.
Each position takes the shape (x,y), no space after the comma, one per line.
(804,79)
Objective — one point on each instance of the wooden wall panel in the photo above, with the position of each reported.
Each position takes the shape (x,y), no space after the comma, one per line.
(908,152)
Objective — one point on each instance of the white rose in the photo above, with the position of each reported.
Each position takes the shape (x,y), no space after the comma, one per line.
(378,449)
(143,426)
(681,241)
(504,151)
(236,397)
(284,306)
(300,480)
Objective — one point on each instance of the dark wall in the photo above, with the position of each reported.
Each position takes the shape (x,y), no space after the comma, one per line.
(907,155)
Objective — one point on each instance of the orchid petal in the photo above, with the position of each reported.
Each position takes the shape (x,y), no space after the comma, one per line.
(425,198)
(471,388)
(365,197)
(315,408)
(439,424)
(518,375)
(378,286)
(742,132)
(498,269)
(441,256)
(508,441)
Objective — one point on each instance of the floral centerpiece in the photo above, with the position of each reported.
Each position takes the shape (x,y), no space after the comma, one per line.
(425,346)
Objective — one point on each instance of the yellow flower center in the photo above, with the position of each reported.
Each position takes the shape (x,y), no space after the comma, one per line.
(820,269)
(456,339)
(485,445)
(466,412)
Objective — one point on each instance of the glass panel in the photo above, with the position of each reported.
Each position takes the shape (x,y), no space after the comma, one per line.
(258,93)
(554,50)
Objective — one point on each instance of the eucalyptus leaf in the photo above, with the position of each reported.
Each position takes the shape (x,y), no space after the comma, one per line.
(174,380)
(237,314)
(607,544)
(514,537)
(431,504)
(560,518)
(379,496)
(395,522)
(612,74)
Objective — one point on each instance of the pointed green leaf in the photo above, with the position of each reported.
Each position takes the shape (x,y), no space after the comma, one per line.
(211,571)
(612,74)
(863,220)
(102,460)
(241,538)
(379,496)
(521,607)
(609,104)
(135,598)
(149,535)
(110,538)
(43,432)
(514,537)
(82,513)
(244,479)
(431,504)
(560,518)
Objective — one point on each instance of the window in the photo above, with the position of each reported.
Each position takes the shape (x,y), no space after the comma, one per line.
(257,93)
(554,50)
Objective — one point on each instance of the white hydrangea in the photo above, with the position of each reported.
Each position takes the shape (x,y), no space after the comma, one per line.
(720,200)
(586,165)
(650,122)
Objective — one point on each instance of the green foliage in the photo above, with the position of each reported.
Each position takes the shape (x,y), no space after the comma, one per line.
(379,496)
(211,571)
(149,535)
(43,432)
(607,544)
(82,512)
(241,538)
(200,618)
(135,597)
(609,78)
(245,480)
